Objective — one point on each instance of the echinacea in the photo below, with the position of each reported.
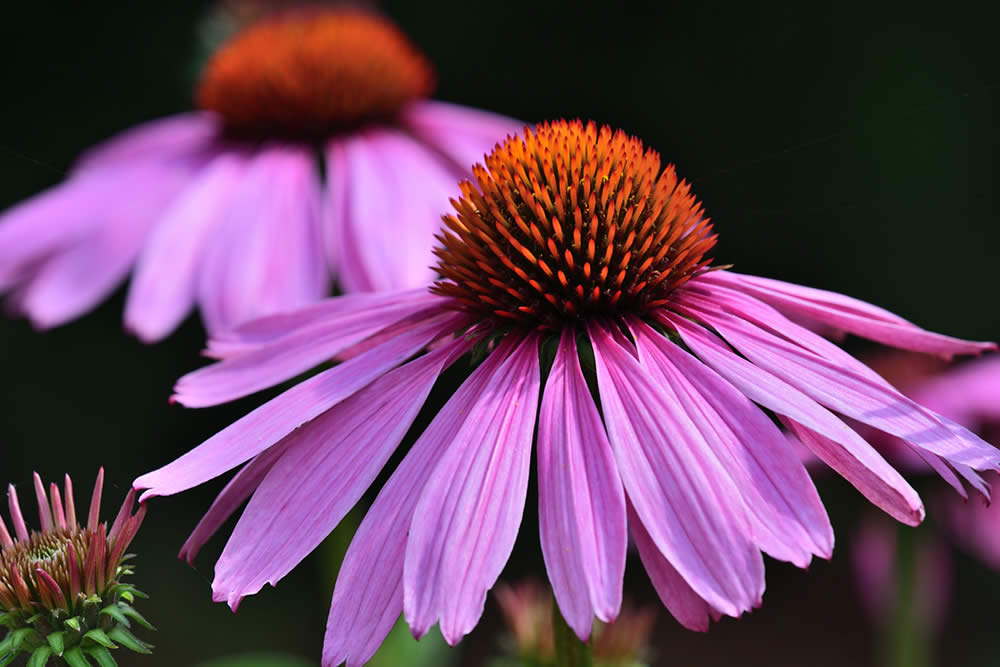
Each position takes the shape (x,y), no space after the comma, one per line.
(655,415)
(62,588)
(225,208)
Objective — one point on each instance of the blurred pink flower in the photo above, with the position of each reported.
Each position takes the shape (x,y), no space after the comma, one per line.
(225,208)
(969,395)
(573,245)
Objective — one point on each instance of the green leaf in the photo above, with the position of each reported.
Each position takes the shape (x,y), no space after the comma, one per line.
(128,640)
(130,611)
(114,612)
(102,655)
(40,657)
(9,620)
(98,636)
(18,637)
(9,658)
(75,658)
(57,640)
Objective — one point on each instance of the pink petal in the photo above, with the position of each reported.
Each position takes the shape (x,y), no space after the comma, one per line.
(677,596)
(235,493)
(364,607)
(163,287)
(829,438)
(325,468)
(466,520)
(269,423)
(268,365)
(853,394)
(682,495)
(270,328)
(975,526)
(968,394)
(465,135)
(265,256)
(581,502)
(52,220)
(382,235)
(72,281)
(847,314)
(156,140)
(786,515)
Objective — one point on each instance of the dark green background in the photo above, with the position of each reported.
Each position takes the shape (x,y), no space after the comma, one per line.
(840,145)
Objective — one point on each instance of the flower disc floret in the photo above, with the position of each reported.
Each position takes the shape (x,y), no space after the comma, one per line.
(570,221)
(309,73)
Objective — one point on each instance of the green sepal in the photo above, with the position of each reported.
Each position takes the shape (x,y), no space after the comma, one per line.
(73,623)
(122,589)
(9,658)
(18,637)
(98,636)
(40,657)
(102,656)
(57,640)
(75,658)
(130,611)
(9,620)
(114,612)
(128,640)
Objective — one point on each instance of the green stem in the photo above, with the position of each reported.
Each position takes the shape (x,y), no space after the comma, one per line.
(907,642)
(570,651)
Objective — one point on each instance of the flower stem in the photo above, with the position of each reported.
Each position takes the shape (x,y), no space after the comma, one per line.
(906,642)
(570,651)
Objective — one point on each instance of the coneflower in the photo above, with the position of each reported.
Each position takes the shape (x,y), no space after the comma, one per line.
(315,154)
(574,246)
(62,592)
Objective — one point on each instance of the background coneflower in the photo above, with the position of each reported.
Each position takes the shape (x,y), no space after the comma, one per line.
(225,208)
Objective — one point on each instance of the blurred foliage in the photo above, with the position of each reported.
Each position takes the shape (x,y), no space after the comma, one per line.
(258,660)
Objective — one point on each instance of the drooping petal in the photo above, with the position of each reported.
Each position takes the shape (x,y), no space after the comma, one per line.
(683,497)
(323,470)
(268,365)
(232,496)
(364,607)
(383,233)
(270,328)
(837,444)
(581,502)
(74,279)
(158,140)
(265,426)
(677,596)
(52,220)
(847,314)
(466,520)
(163,287)
(786,515)
(850,393)
(265,256)
(465,135)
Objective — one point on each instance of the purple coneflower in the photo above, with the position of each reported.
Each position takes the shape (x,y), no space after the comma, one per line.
(574,246)
(61,588)
(225,207)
